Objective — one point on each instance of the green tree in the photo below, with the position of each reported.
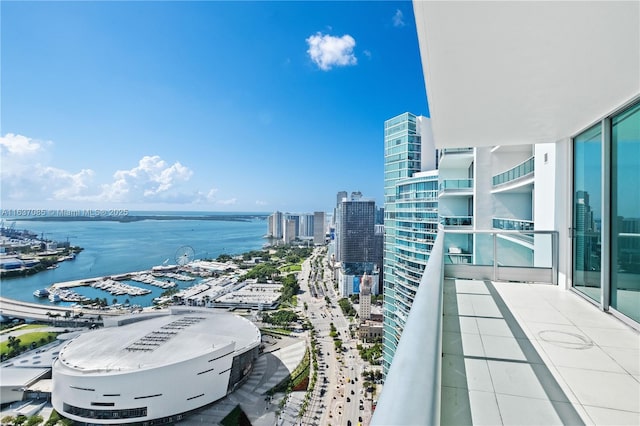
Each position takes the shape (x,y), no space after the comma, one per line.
(8,420)
(34,420)
(14,345)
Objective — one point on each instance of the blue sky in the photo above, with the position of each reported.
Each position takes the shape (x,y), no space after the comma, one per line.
(208,106)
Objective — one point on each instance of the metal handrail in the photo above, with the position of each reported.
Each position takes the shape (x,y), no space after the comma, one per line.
(523,169)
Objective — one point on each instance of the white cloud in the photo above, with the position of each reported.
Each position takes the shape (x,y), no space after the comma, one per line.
(327,51)
(66,185)
(398,19)
(261,203)
(26,177)
(228,202)
(13,144)
(151,180)
(367,54)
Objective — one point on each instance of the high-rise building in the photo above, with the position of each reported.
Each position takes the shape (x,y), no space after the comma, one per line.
(354,230)
(275,225)
(306,225)
(411,218)
(319,228)
(289,234)
(365,298)
(355,243)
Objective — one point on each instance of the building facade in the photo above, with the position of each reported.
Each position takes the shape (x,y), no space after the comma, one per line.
(411,218)
(319,228)
(585,130)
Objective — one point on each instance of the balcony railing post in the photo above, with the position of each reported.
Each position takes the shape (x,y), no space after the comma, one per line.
(554,258)
(495,256)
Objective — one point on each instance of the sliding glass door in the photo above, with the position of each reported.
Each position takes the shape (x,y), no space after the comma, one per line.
(587,212)
(625,212)
(606,267)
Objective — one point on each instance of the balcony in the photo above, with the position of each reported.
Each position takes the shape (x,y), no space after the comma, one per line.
(515,178)
(456,221)
(455,157)
(481,351)
(455,187)
(512,224)
(515,225)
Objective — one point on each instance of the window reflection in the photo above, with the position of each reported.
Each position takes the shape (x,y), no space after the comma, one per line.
(625,213)
(587,212)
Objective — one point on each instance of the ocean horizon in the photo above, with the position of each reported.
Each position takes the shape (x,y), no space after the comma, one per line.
(113,247)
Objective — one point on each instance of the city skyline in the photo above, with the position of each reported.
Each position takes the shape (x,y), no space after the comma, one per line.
(206,106)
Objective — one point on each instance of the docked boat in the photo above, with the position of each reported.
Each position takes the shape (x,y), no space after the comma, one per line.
(43,292)
(54,297)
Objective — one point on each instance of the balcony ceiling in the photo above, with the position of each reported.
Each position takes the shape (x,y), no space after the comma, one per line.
(505,73)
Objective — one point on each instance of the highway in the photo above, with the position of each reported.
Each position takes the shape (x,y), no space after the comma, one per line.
(25,310)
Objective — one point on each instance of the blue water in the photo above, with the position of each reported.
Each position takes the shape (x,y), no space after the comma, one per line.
(114,248)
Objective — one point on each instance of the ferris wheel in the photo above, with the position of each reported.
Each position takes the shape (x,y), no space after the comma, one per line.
(185,255)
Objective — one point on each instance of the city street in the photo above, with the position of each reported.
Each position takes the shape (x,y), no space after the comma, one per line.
(338,396)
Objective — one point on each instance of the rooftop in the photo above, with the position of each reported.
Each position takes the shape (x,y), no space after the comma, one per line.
(156,342)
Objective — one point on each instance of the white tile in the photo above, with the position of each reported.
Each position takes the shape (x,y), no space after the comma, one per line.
(549,316)
(603,389)
(484,408)
(502,348)
(478,377)
(458,372)
(462,344)
(455,409)
(498,327)
(542,330)
(471,287)
(458,324)
(607,416)
(459,305)
(590,357)
(485,306)
(517,410)
(453,371)
(617,338)
(527,380)
(515,378)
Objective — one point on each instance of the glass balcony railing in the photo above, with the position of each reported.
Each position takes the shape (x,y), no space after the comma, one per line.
(523,169)
(455,151)
(512,224)
(447,221)
(456,185)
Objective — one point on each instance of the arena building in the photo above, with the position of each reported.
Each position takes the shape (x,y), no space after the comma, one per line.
(153,369)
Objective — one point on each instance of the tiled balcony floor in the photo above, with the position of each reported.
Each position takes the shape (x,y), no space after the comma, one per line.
(534,354)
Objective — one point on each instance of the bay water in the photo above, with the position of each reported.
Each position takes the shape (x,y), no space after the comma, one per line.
(118,247)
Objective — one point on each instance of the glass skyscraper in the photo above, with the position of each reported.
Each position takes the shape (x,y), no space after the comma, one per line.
(410,219)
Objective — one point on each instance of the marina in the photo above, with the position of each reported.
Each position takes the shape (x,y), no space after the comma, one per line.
(114,249)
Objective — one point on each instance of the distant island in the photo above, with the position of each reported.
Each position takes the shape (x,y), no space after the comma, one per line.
(137,218)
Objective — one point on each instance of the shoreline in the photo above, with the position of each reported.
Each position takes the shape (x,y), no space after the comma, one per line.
(138,218)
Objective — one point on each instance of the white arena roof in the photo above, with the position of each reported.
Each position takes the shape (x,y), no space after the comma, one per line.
(155,342)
